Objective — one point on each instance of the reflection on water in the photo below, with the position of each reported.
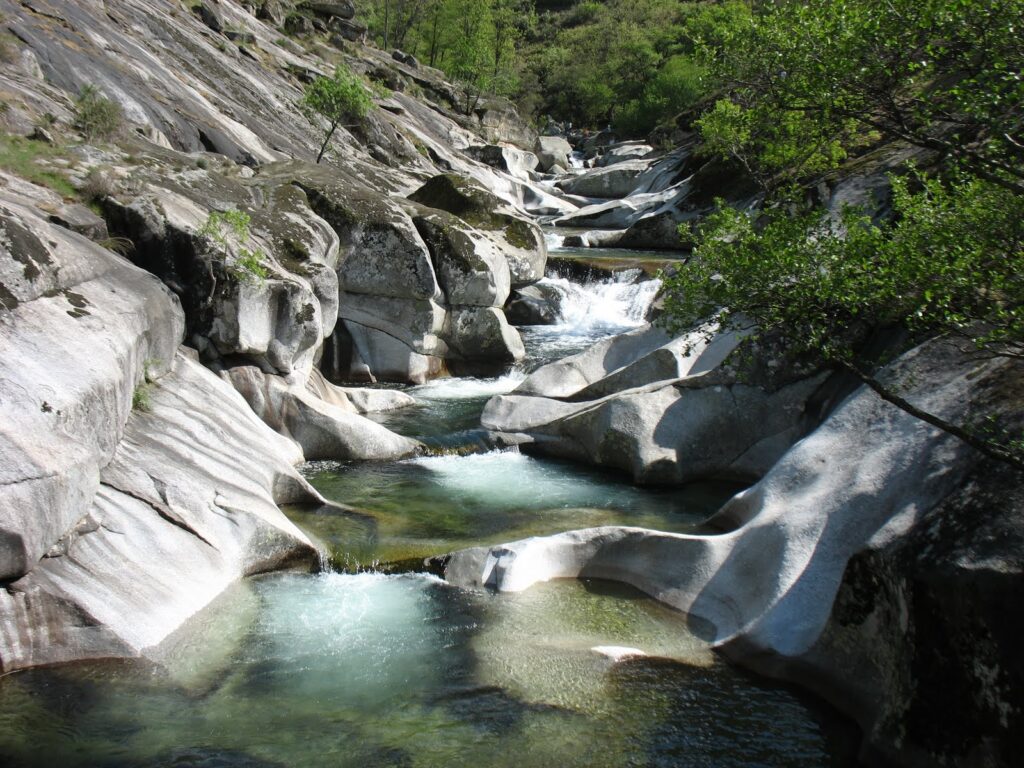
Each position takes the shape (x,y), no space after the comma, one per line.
(437,504)
(370,670)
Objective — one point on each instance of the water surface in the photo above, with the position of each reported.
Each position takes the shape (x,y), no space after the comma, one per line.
(370,670)
(436,504)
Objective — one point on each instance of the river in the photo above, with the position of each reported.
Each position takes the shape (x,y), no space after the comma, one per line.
(365,666)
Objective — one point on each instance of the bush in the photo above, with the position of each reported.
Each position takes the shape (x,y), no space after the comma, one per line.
(223,227)
(98,185)
(339,100)
(96,116)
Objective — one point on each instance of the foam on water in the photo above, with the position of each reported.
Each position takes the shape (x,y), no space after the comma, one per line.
(614,305)
(467,388)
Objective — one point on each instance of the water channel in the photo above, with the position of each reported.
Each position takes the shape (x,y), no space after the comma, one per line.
(366,668)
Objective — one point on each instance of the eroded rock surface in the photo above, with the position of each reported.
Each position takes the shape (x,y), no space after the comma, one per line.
(159,485)
(838,568)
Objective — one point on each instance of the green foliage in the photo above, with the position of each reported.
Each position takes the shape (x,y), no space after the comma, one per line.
(804,78)
(677,86)
(142,397)
(950,262)
(231,228)
(96,116)
(806,85)
(335,101)
(633,63)
(220,226)
(28,159)
(249,266)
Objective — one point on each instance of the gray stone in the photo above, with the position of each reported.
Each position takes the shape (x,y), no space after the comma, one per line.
(272,11)
(324,430)
(482,334)
(519,239)
(80,219)
(614,182)
(81,329)
(405,58)
(876,634)
(552,151)
(470,268)
(533,305)
(620,152)
(209,16)
(343,9)
(185,506)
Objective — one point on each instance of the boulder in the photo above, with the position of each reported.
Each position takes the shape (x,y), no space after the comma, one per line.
(869,563)
(534,305)
(501,122)
(81,329)
(186,505)
(484,339)
(657,232)
(209,16)
(568,376)
(268,293)
(80,219)
(618,153)
(272,11)
(357,399)
(667,411)
(515,162)
(344,9)
(470,268)
(352,31)
(552,151)
(519,239)
(324,430)
(135,486)
(611,183)
(405,58)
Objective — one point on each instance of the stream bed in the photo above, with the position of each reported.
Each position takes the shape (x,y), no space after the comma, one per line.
(371,671)
(368,669)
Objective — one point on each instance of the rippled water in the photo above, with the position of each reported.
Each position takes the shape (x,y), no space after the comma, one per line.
(426,506)
(370,670)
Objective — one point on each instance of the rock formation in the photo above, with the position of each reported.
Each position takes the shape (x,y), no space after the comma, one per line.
(868,563)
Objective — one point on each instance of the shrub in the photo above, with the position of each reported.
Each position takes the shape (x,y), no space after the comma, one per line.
(98,185)
(96,116)
(223,227)
(339,100)
(141,400)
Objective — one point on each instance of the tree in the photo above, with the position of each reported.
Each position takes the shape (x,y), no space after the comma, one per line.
(944,75)
(341,101)
(807,84)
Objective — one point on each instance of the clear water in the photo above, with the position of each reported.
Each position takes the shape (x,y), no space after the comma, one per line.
(371,671)
(413,509)
(368,670)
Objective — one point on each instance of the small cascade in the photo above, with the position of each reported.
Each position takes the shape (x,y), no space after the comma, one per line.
(616,304)
(554,241)
(577,160)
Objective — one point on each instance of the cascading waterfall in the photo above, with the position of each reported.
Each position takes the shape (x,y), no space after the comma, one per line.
(616,304)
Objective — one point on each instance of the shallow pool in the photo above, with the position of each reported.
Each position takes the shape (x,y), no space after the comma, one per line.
(370,670)
(436,504)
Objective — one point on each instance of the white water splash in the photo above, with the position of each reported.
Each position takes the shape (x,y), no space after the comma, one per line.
(613,305)
(554,241)
(468,388)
